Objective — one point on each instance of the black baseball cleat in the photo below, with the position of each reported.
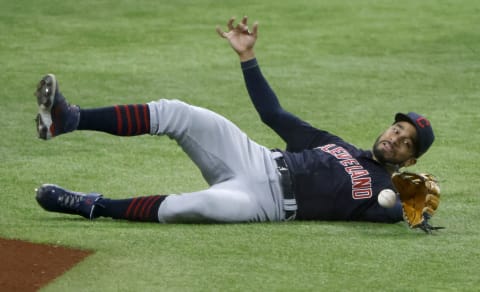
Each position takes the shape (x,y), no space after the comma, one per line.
(56,199)
(55,115)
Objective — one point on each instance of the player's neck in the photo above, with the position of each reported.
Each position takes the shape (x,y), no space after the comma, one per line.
(390,167)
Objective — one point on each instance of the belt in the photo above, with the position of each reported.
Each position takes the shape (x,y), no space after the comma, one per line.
(289,201)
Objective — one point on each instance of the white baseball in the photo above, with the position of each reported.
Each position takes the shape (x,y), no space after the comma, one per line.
(387,198)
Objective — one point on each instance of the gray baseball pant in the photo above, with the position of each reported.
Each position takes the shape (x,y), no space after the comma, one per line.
(242,175)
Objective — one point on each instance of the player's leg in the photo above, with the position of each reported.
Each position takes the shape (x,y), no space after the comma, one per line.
(226,202)
(217,146)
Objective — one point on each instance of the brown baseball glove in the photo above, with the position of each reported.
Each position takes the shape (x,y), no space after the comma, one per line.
(420,196)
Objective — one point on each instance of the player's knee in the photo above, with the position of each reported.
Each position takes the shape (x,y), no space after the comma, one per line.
(169,116)
(181,208)
(206,208)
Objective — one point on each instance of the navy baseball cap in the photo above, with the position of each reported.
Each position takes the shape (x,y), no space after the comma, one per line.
(425,134)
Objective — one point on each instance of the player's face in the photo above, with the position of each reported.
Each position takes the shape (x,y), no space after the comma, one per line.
(396,145)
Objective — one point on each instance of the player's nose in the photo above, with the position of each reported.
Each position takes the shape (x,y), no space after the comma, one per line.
(394,140)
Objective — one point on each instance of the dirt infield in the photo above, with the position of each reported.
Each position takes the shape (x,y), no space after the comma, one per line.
(27,266)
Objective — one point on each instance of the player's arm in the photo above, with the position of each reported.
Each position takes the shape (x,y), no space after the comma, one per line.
(295,132)
(377,213)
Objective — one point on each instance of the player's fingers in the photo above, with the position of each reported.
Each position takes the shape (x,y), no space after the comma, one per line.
(242,28)
(230,23)
(244,20)
(220,32)
(255,29)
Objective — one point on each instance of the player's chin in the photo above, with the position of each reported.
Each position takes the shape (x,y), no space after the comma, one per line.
(384,157)
(389,157)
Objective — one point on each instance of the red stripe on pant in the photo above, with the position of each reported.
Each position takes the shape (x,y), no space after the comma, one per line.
(129,209)
(137,119)
(129,120)
(146,118)
(140,209)
(119,119)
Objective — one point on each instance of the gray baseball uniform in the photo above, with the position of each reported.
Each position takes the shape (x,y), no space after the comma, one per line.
(243,176)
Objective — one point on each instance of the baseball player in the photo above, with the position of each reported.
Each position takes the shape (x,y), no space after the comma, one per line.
(319,176)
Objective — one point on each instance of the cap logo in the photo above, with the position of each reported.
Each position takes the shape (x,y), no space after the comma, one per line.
(422,122)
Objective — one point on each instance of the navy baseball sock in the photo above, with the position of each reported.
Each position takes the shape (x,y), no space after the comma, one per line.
(120,120)
(133,209)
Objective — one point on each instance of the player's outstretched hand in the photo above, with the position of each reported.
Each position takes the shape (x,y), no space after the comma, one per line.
(241,38)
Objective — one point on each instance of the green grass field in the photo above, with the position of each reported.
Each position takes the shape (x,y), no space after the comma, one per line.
(345,66)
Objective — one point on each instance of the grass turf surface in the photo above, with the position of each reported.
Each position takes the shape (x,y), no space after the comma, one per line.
(345,66)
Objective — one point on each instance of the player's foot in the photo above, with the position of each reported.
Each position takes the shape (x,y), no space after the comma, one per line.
(56,199)
(55,115)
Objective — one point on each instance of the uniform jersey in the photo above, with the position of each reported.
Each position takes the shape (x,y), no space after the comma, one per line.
(333,179)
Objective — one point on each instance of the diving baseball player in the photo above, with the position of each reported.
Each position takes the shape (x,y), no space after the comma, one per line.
(319,176)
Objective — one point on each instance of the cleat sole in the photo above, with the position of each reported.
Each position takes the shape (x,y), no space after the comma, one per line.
(45,94)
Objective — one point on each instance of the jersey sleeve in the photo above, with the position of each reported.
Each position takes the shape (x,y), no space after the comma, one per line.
(296,133)
(376,213)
